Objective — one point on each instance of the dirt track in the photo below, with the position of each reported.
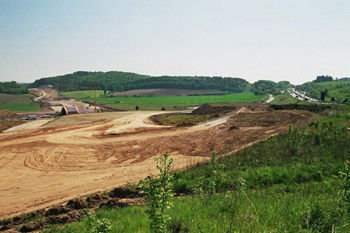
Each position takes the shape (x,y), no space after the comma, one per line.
(82,154)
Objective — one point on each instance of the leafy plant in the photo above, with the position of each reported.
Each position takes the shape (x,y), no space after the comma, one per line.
(345,192)
(157,192)
(215,174)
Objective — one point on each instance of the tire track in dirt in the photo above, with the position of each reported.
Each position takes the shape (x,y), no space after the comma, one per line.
(61,160)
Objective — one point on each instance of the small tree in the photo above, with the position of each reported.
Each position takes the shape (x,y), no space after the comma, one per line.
(137,108)
(157,193)
(215,174)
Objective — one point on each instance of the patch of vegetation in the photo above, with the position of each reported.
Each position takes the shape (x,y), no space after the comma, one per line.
(296,182)
(333,91)
(13,88)
(123,81)
(286,99)
(158,192)
(20,107)
(263,87)
(181,119)
(9,98)
(169,101)
(18,103)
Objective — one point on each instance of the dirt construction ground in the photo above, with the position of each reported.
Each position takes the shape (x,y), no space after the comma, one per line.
(81,154)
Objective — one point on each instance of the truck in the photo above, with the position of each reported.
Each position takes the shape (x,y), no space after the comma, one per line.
(31,117)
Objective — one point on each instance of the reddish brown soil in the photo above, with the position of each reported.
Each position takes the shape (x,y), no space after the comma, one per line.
(43,166)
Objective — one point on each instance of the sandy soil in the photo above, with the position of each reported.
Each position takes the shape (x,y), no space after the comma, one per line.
(28,126)
(82,154)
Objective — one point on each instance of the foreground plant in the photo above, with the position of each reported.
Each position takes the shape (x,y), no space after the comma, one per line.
(345,191)
(157,193)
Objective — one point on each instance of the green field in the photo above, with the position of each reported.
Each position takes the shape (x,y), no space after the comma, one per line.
(20,107)
(173,102)
(18,103)
(287,99)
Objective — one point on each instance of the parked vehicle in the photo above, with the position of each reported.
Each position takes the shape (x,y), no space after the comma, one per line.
(31,117)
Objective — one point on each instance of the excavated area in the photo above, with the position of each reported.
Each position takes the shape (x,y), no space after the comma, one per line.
(79,155)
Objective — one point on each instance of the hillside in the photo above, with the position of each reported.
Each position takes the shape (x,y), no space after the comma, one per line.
(121,81)
(334,90)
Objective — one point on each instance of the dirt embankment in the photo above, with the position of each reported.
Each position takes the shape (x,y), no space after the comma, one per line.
(222,108)
(8,119)
(83,154)
(317,108)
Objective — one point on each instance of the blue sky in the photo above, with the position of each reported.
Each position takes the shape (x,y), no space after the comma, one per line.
(253,39)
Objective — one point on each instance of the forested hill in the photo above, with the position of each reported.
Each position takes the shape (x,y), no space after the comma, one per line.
(123,81)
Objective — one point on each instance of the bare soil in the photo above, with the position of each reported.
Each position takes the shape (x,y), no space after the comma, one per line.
(8,98)
(163,92)
(78,155)
(6,114)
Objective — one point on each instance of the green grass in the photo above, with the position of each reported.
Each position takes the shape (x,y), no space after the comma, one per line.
(20,107)
(339,90)
(307,208)
(285,99)
(155,103)
(82,94)
(290,183)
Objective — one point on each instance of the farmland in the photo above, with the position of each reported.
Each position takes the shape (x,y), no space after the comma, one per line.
(169,102)
(20,103)
(82,94)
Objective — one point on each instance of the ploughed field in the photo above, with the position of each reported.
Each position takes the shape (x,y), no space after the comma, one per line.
(49,163)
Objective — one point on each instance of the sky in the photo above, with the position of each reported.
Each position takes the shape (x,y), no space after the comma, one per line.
(293,40)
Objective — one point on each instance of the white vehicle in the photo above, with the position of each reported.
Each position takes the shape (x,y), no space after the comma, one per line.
(31,117)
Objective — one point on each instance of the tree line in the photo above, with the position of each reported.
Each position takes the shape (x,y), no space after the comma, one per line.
(263,87)
(13,88)
(116,81)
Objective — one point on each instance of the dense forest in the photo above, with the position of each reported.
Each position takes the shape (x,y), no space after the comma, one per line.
(121,81)
(13,88)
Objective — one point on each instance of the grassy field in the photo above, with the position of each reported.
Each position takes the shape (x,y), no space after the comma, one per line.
(82,94)
(287,99)
(20,107)
(18,103)
(174,102)
(289,183)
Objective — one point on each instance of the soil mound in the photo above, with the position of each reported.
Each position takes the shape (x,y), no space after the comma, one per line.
(6,114)
(221,108)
